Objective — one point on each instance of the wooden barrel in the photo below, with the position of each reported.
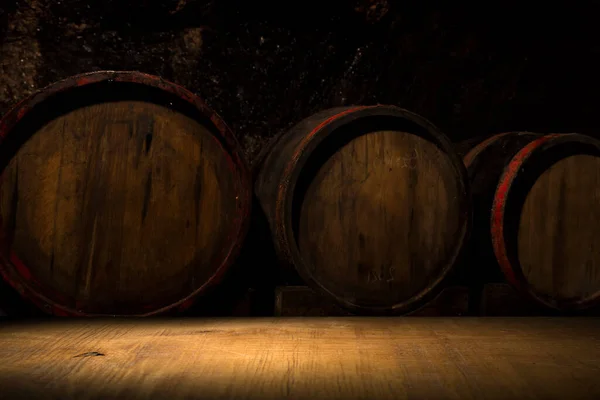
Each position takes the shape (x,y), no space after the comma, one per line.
(122,194)
(536,215)
(369,203)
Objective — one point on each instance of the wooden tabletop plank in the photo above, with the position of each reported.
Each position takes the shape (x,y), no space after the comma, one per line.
(302,358)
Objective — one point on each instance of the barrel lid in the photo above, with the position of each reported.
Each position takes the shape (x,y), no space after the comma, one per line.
(124,83)
(402,120)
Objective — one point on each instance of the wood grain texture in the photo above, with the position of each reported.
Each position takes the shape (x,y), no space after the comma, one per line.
(560,228)
(535,210)
(119,206)
(379,219)
(302,358)
(370,205)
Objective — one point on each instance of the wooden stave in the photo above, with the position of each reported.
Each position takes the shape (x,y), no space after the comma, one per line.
(279,170)
(485,162)
(18,276)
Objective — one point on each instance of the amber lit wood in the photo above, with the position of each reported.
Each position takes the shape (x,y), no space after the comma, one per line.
(369,204)
(379,218)
(560,230)
(535,226)
(123,207)
(302,358)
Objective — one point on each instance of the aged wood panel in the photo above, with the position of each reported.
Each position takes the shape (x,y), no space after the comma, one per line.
(499,299)
(302,359)
(379,217)
(537,214)
(369,205)
(502,300)
(559,230)
(120,204)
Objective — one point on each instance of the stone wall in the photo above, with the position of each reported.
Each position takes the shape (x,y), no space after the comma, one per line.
(265,65)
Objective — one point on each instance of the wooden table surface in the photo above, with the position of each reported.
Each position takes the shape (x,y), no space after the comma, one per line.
(301,358)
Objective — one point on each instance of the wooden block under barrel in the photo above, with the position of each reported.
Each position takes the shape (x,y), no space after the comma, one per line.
(299,301)
(501,299)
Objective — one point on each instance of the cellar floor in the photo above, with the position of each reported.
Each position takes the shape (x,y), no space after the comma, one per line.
(301,358)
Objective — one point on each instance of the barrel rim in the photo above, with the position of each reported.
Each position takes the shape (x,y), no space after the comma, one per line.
(16,273)
(283,213)
(501,238)
(472,154)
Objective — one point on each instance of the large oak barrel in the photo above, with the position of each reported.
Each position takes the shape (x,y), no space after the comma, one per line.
(369,203)
(536,215)
(122,194)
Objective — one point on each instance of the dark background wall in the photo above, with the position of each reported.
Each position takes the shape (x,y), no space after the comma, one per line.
(472,70)
(264,65)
